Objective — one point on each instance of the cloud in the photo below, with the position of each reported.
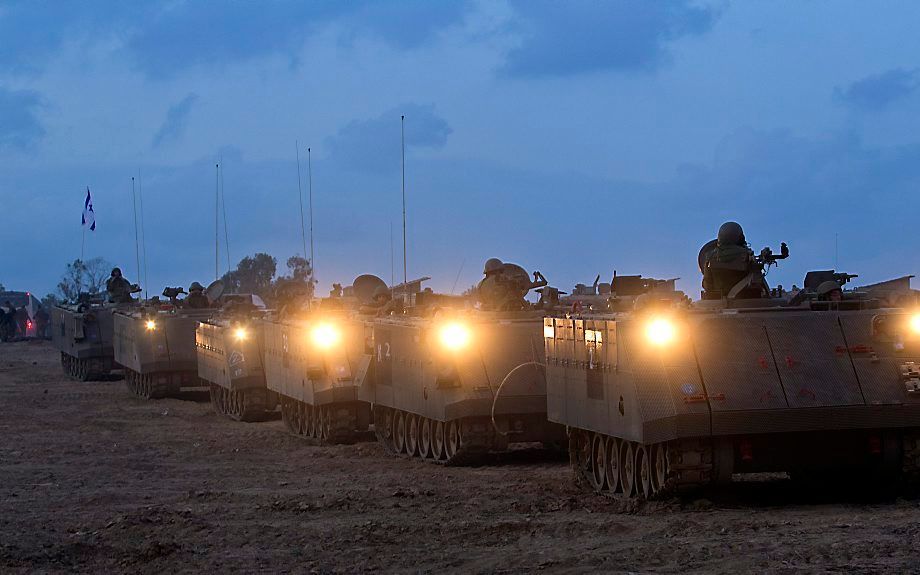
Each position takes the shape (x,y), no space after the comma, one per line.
(20,126)
(176,119)
(879,91)
(373,145)
(168,36)
(583,36)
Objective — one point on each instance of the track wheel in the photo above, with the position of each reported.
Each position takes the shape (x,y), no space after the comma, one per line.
(644,471)
(424,437)
(286,413)
(612,473)
(309,417)
(399,432)
(437,440)
(328,422)
(627,468)
(452,440)
(411,434)
(597,470)
(659,467)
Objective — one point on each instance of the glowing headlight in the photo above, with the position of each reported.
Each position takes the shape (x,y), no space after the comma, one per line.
(240,334)
(660,331)
(150,325)
(325,336)
(454,336)
(915,323)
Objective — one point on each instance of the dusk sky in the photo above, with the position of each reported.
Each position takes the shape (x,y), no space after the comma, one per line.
(575,138)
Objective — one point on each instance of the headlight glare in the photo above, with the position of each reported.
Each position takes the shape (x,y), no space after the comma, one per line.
(660,331)
(454,336)
(325,335)
(915,323)
(240,334)
(150,325)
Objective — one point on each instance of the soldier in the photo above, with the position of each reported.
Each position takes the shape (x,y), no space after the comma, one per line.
(505,285)
(730,269)
(830,291)
(41,323)
(118,288)
(7,321)
(382,303)
(196,297)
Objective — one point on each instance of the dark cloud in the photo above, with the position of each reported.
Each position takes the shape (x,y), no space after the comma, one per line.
(373,145)
(20,126)
(176,119)
(583,36)
(879,91)
(166,37)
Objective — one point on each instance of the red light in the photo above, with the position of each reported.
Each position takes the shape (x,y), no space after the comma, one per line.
(29,324)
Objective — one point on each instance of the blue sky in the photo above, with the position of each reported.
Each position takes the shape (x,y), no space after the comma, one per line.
(573,138)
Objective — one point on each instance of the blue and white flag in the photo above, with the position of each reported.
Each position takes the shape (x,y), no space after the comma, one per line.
(89,216)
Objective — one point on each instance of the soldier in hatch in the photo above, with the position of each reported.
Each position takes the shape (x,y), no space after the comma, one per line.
(830,291)
(118,288)
(196,297)
(730,269)
(505,285)
(382,304)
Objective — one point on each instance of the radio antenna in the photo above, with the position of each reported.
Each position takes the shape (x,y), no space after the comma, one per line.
(223,203)
(402,133)
(216,222)
(137,247)
(310,179)
(303,233)
(140,199)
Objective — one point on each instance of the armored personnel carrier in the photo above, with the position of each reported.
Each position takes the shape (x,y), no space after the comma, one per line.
(155,344)
(454,381)
(83,333)
(230,347)
(318,356)
(672,396)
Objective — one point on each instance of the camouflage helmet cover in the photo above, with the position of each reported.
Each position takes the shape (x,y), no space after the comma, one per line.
(195,287)
(730,233)
(492,265)
(828,287)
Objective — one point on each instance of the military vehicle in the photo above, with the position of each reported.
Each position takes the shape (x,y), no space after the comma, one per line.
(671,396)
(453,381)
(155,343)
(317,358)
(230,358)
(83,333)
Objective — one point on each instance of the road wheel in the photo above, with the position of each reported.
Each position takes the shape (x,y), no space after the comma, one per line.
(643,471)
(424,440)
(612,473)
(399,432)
(411,434)
(659,467)
(597,470)
(452,440)
(627,468)
(437,440)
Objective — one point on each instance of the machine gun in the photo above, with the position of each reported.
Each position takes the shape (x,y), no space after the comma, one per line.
(173,293)
(767,258)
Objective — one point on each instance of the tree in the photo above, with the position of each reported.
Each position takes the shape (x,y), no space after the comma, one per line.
(252,275)
(50,300)
(299,279)
(83,277)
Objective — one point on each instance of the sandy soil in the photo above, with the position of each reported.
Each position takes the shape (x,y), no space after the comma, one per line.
(93,479)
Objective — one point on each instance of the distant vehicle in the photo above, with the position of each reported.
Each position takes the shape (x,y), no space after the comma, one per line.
(23,300)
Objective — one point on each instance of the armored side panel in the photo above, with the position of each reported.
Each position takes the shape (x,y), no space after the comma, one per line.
(475,397)
(157,351)
(84,336)
(230,360)
(318,366)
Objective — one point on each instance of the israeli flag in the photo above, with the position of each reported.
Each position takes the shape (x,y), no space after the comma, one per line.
(89,216)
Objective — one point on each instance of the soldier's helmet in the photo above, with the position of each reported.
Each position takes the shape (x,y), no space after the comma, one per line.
(492,265)
(195,287)
(116,270)
(381,291)
(827,287)
(730,233)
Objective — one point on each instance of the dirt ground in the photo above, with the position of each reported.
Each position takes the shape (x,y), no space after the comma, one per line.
(94,479)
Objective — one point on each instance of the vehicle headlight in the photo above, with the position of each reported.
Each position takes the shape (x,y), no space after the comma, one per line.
(660,331)
(454,336)
(150,325)
(914,323)
(241,334)
(325,335)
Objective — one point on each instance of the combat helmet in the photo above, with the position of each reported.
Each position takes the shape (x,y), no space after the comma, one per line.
(382,291)
(827,287)
(195,287)
(730,233)
(492,265)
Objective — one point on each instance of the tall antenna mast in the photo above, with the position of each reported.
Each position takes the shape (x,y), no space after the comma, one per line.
(216,221)
(140,197)
(137,248)
(223,203)
(402,133)
(303,233)
(310,179)
(392,258)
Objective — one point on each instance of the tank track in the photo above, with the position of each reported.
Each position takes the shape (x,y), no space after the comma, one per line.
(151,385)
(242,405)
(330,423)
(910,459)
(452,443)
(92,369)
(639,471)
